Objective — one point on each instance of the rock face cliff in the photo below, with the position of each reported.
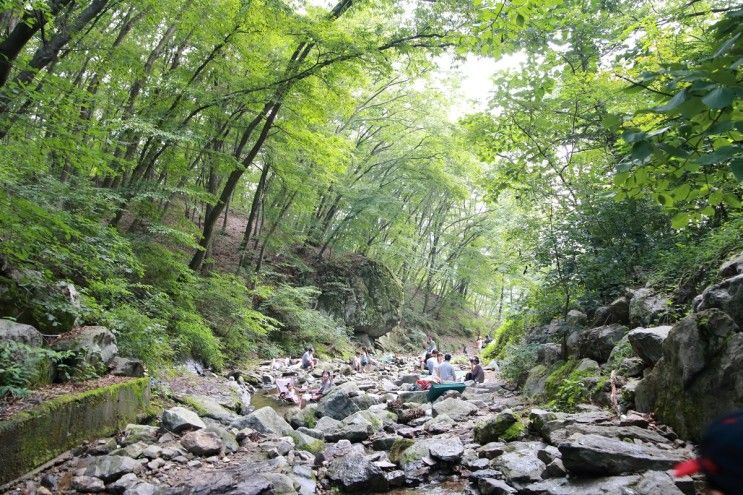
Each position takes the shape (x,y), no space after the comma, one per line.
(688,373)
(361,292)
(700,373)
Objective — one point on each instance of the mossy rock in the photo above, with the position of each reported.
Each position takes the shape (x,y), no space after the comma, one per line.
(514,432)
(398,448)
(363,293)
(33,437)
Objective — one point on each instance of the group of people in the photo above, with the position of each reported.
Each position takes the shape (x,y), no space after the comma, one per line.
(440,369)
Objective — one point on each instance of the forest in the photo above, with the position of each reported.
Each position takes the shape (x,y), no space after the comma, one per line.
(191,174)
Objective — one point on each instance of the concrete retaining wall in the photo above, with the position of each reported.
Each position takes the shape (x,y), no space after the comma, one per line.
(36,436)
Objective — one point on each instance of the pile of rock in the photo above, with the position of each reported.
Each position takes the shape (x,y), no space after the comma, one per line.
(354,440)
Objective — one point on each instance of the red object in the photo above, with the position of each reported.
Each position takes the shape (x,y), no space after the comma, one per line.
(692,466)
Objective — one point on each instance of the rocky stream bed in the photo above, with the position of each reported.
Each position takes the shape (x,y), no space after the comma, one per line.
(371,433)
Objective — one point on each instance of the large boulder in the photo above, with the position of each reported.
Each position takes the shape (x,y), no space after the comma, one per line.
(599,455)
(265,420)
(534,386)
(202,443)
(648,307)
(111,467)
(121,366)
(700,375)
(337,404)
(648,342)
(616,312)
(361,292)
(732,267)
(726,296)
(18,332)
(553,332)
(493,427)
(354,473)
(456,409)
(94,345)
(520,463)
(595,343)
(178,419)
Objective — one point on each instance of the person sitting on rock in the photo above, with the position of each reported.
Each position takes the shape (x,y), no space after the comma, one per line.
(446,370)
(356,362)
(476,374)
(364,358)
(308,359)
(721,457)
(432,362)
(325,383)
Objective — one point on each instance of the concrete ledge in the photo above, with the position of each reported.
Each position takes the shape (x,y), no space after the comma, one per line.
(36,436)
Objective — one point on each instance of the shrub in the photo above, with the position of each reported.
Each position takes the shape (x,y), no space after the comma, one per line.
(195,339)
(140,336)
(509,333)
(519,360)
(301,324)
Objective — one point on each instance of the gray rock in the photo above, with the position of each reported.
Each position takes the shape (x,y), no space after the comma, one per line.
(364,294)
(384,442)
(355,432)
(356,474)
(312,432)
(726,296)
(338,404)
(555,469)
(210,408)
(615,313)
(491,450)
(492,427)
(631,367)
(549,353)
(731,267)
(447,449)
(417,396)
(492,486)
(699,376)
(520,465)
(588,365)
(111,467)
(440,424)
(264,420)
(326,423)
(534,385)
(648,307)
(178,419)
(95,345)
(18,332)
(456,409)
(576,318)
(138,433)
(597,455)
(595,343)
(122,366)
(202,443)
(142,488)
(126,481)
(412,378)
(87,484)
(648,342)
(342,448)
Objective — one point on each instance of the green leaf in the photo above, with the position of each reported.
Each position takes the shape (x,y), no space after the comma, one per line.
(726,46)
(720,97)
(737,167)
(731,199)
(641,151)
(680,220)
(715,198)
(519,19)
(633,136)
(673,103)
(717,156)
